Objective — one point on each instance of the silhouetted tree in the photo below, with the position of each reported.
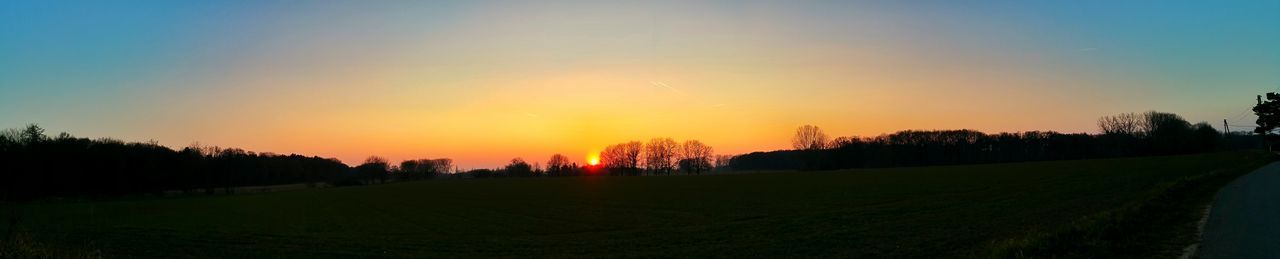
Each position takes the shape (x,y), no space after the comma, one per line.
(722,162)
(440,166)
(1168,133)
(419,169)
(1204,137)
(810,140)
(559,165)
(1121,124)
(1268,113)
(660,155)
(809,137)
(374,169)
(1121,133)
(518,168)
(612,159)
(12,136)
(32,134)
(631,152)
(408,170)
(622,159)
(695,157)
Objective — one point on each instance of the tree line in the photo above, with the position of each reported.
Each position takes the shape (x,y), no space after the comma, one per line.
(33,165)
(376,169)
(1122,135)
(658,156)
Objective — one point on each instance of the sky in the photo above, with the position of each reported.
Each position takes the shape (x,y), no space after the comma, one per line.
(486,81)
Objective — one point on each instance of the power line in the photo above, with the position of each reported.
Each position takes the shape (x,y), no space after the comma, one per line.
(1226,123)
(1241,114)
(1240,122)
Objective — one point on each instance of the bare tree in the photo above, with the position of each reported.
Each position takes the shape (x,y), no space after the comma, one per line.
(722,162)
(660,155)
(843,141)
(631,152)
(375,160)
(809,137)
(1154,122)
(558,165)
(440,165)
(623,158)
(1121,124)
(11,135)
(695,157)
(613,159)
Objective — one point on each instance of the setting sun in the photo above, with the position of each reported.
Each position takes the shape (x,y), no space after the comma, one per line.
(593,159)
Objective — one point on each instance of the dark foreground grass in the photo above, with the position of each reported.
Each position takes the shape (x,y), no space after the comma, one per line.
(1163,224)
(957,211)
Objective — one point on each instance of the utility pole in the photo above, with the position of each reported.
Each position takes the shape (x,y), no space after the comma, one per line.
(1225,128)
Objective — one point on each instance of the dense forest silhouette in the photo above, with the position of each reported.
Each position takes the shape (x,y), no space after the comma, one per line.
(35,166)
(1122,135)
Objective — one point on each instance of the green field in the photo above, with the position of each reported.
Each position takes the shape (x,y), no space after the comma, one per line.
(912,212)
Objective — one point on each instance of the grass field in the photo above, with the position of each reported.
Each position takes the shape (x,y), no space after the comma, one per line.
(900,212)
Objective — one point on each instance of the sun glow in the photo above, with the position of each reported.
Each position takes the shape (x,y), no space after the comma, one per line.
(593,159)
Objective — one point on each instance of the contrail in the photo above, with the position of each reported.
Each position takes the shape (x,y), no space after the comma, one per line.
(664,85)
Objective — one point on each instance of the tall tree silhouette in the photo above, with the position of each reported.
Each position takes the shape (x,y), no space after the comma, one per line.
(1121,133)
(660,155)
(695,157)
(631,152)
(1268,113)
(1169,133)
(623,158)
(558,165)
(374,169)
(518,168)
(809,137)
(32,134)
(810,140)
(612,159)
